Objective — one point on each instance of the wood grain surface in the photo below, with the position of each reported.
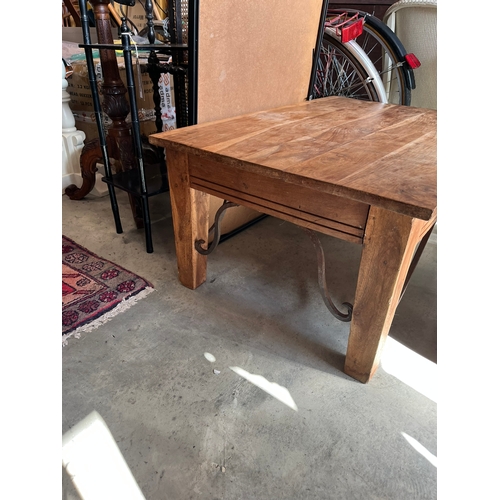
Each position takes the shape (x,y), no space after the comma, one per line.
(379,154)
(388,248)
(190,211)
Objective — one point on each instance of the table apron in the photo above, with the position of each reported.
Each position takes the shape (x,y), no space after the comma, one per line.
(323,212)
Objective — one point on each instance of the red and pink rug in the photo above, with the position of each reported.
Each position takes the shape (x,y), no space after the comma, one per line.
(94,290)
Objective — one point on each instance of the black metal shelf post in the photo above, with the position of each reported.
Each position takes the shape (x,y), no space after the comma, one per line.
(98,111)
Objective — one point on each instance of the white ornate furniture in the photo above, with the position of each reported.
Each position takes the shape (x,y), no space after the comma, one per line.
(72,144)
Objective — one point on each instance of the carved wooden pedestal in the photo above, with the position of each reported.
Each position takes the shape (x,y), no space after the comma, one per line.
(119,138)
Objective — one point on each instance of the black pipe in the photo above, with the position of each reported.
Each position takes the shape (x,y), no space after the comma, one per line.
(317,50)
(193,28)
(98,113)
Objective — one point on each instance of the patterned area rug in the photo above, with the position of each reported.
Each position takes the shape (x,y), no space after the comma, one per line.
(94,290)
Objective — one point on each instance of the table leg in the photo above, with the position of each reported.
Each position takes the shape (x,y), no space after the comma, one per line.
(190,212)
(388,247)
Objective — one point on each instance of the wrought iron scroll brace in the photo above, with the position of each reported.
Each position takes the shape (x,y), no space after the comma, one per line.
(214,229)
(322,280)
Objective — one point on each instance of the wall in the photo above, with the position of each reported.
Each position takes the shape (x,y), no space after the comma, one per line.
(254,55)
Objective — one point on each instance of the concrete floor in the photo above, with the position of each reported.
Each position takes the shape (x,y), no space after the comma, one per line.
(177,423)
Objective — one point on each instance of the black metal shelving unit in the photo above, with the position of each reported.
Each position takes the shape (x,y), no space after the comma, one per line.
(150,177)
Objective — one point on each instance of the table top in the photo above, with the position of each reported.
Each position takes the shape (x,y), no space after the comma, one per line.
(381,154)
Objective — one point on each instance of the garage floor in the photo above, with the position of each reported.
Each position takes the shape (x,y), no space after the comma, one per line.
(174,377)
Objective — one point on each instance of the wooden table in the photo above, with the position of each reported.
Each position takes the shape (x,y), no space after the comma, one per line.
(360,171)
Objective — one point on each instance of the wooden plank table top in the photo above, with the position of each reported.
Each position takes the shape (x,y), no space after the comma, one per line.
(360,171)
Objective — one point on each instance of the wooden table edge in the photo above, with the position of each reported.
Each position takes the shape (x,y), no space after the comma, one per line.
(414,211)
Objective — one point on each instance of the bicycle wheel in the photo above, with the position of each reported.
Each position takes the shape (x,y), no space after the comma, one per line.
(387,53)
(340,73)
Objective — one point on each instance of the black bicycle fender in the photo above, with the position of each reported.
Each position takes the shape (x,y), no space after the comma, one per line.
(390,37)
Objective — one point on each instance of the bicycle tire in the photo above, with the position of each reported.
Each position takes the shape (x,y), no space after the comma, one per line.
(387,54)
(341,71)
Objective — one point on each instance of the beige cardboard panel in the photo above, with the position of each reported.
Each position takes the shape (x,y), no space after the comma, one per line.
(254,55)
(136,14)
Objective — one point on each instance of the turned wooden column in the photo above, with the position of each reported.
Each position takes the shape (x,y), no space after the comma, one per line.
(114,103)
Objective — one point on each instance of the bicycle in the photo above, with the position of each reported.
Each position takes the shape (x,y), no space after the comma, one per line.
(360,57)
